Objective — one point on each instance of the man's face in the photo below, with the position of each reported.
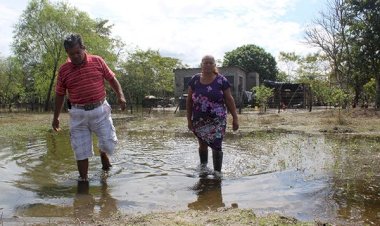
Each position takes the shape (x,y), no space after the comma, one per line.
(76,54)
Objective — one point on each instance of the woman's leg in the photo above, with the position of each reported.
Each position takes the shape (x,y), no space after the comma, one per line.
(203,152)
(217,159)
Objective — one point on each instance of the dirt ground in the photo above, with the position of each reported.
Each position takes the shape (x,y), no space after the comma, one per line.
(364,122)
(354,121)
(222,216)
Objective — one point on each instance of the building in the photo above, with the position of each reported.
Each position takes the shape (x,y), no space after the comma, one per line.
(289,95)
(240,80)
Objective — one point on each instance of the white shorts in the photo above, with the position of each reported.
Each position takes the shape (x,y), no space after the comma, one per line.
(83,123)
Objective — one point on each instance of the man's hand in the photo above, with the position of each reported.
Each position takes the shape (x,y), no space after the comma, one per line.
(55,124)
(122,103)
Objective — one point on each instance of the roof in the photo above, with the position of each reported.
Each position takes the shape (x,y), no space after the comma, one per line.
(282,84)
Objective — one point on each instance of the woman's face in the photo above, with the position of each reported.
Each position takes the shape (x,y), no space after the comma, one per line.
(208,64)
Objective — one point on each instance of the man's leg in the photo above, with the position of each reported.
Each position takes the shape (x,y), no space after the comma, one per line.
(83,169)
(81,142)
(106,165)
(102,126)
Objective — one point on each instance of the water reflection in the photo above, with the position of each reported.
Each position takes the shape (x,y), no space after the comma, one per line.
(88,201)
(209,194)
(355,187)
(84,202)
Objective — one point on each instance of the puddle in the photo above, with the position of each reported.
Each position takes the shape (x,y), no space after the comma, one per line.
(310,177)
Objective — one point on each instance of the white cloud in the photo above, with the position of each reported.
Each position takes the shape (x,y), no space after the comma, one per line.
(8,18)
(189,29)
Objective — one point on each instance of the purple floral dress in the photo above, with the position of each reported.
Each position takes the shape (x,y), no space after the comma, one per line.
(209,115)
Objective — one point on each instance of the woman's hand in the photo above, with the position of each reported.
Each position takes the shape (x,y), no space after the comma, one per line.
(235,124)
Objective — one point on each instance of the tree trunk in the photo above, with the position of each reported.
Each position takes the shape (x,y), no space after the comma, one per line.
(47,101)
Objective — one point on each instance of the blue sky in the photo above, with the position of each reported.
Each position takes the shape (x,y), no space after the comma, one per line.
(189,29)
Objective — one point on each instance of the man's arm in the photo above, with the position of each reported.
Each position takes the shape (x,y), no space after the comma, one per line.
(59,99)
(115,85)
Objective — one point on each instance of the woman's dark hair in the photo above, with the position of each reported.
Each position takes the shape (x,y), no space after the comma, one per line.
(72,40)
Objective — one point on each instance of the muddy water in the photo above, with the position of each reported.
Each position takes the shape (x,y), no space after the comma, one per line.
(310,177)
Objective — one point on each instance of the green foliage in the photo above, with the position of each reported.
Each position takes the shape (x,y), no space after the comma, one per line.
(11,76)
(253,58)
(282,77)
(291,62)
(364,21)
(38,41)
(320,91)
(148,73)
(312,69)
(313,66)
(338,97)
(348,34)
(262,96)
(369,93)
(304,68)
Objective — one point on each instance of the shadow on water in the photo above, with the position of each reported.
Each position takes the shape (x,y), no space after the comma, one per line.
(311,177)
(86,203)
(209,194)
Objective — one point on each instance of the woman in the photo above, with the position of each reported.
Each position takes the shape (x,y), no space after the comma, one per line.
(208,95)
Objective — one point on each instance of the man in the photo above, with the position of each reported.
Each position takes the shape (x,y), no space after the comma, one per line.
(82,77)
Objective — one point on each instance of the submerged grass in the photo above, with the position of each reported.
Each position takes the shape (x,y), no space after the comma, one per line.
(21,125)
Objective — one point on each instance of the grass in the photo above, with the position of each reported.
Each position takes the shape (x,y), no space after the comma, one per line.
(25,125)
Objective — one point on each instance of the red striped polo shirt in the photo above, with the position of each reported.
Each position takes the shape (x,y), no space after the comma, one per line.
(85,82)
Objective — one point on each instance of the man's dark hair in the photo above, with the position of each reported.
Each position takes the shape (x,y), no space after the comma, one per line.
(72,40)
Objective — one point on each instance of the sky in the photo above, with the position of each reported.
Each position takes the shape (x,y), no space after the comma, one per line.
(189,29)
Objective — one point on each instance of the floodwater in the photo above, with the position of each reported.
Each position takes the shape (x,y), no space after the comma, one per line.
(327,178)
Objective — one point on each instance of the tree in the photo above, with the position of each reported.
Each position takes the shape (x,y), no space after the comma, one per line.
(329,33)
(252,58)
(39,35)
(11,85)
(148,73)
(348,34)
(313,66)
(364,21)
(369,94)
(291,62)
(262,94)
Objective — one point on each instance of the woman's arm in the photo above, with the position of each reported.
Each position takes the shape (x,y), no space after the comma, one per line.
(230,103)
(189,108)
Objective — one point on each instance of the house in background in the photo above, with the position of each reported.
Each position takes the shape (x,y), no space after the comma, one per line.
(240,81)
(289,95)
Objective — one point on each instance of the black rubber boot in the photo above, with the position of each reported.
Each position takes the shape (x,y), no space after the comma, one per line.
(217,158)
(203,156)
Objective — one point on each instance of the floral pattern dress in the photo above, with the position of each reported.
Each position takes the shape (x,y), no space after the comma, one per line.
(209,116)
